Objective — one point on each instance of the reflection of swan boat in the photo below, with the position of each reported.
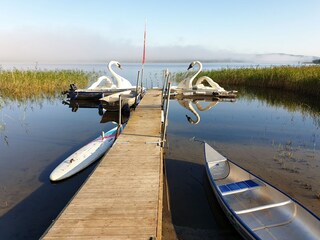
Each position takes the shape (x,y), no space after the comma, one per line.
(84,156)
(187,103)
(203,86)
(113,116)
(95,91)
(257,209)
(111,102)
(76,104)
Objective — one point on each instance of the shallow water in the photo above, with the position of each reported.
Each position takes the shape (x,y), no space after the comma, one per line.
(279,145)
(279,142)
(36,137)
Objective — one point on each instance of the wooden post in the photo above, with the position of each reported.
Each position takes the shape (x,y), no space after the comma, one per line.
(120,109)
(166,116)
(135,100)
(165,85)
(119,124)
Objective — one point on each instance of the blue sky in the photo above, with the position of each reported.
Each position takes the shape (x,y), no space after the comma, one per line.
(66,30)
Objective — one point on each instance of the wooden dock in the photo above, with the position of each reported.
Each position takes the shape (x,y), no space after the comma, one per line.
(122,199)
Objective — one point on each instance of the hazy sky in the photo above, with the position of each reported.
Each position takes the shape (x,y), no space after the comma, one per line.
(92,30)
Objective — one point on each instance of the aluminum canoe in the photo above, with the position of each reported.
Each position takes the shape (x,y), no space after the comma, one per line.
(257,209)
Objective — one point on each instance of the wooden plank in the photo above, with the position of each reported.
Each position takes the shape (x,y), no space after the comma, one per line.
(102,231)
(104,223)
(109,237)
(122,199)
(94,211)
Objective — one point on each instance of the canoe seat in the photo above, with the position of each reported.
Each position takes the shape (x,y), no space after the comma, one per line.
(237,187)
(263,207)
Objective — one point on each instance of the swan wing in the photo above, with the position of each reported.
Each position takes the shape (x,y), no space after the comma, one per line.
(109,83)
(212,84)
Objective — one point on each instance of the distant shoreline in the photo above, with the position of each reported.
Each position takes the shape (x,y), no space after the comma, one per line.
(264,58)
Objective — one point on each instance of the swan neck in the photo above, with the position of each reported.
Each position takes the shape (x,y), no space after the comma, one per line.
(116,76)
(196,74)
(191,109)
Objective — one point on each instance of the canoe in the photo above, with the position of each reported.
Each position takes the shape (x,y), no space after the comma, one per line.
(84,156)
(111,102)
(257,209)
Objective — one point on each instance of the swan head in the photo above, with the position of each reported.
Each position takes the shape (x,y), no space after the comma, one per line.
(194,63)
(190,120)
(191,65)
(119,65)
(115,63)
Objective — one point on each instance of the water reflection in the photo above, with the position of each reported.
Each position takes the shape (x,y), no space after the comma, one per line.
(35,137)
(106,116)
(306,105)
(113,116)
(274,134)
(201,103)
(76,104)
(263,125)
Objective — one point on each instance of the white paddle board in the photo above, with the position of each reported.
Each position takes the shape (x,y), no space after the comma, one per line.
(84,156)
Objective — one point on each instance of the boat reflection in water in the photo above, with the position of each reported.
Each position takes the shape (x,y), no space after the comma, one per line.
(113,116)
(201,103)
(106,116)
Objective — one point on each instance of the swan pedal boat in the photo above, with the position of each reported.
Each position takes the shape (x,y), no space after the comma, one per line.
(204,86)
(111,102)
(85,155)
(257,209)
(95,91)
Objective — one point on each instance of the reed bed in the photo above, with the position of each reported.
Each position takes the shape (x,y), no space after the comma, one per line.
(24,84)
(302,79)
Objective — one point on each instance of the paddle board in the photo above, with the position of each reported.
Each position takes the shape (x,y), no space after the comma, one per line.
(84,156)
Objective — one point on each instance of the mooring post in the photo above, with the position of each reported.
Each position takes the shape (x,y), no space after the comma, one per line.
(119,124)
(165,85)
(166,115)
(120,109)
(136,98)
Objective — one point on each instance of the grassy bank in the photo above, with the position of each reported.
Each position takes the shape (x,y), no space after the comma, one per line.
(302,79)
(24,84)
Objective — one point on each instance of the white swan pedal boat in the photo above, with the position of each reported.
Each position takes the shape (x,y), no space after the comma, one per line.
(95,91)
(85,156)
(257,209)
(204,86)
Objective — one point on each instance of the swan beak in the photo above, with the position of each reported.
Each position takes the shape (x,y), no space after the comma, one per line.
(190,66)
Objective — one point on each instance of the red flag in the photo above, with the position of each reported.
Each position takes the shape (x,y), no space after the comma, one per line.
(144,44)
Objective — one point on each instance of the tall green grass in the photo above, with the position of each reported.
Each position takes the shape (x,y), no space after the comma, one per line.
(302,79)
(25,84)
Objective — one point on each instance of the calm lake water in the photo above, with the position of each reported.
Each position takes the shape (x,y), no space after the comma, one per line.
(36,136)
